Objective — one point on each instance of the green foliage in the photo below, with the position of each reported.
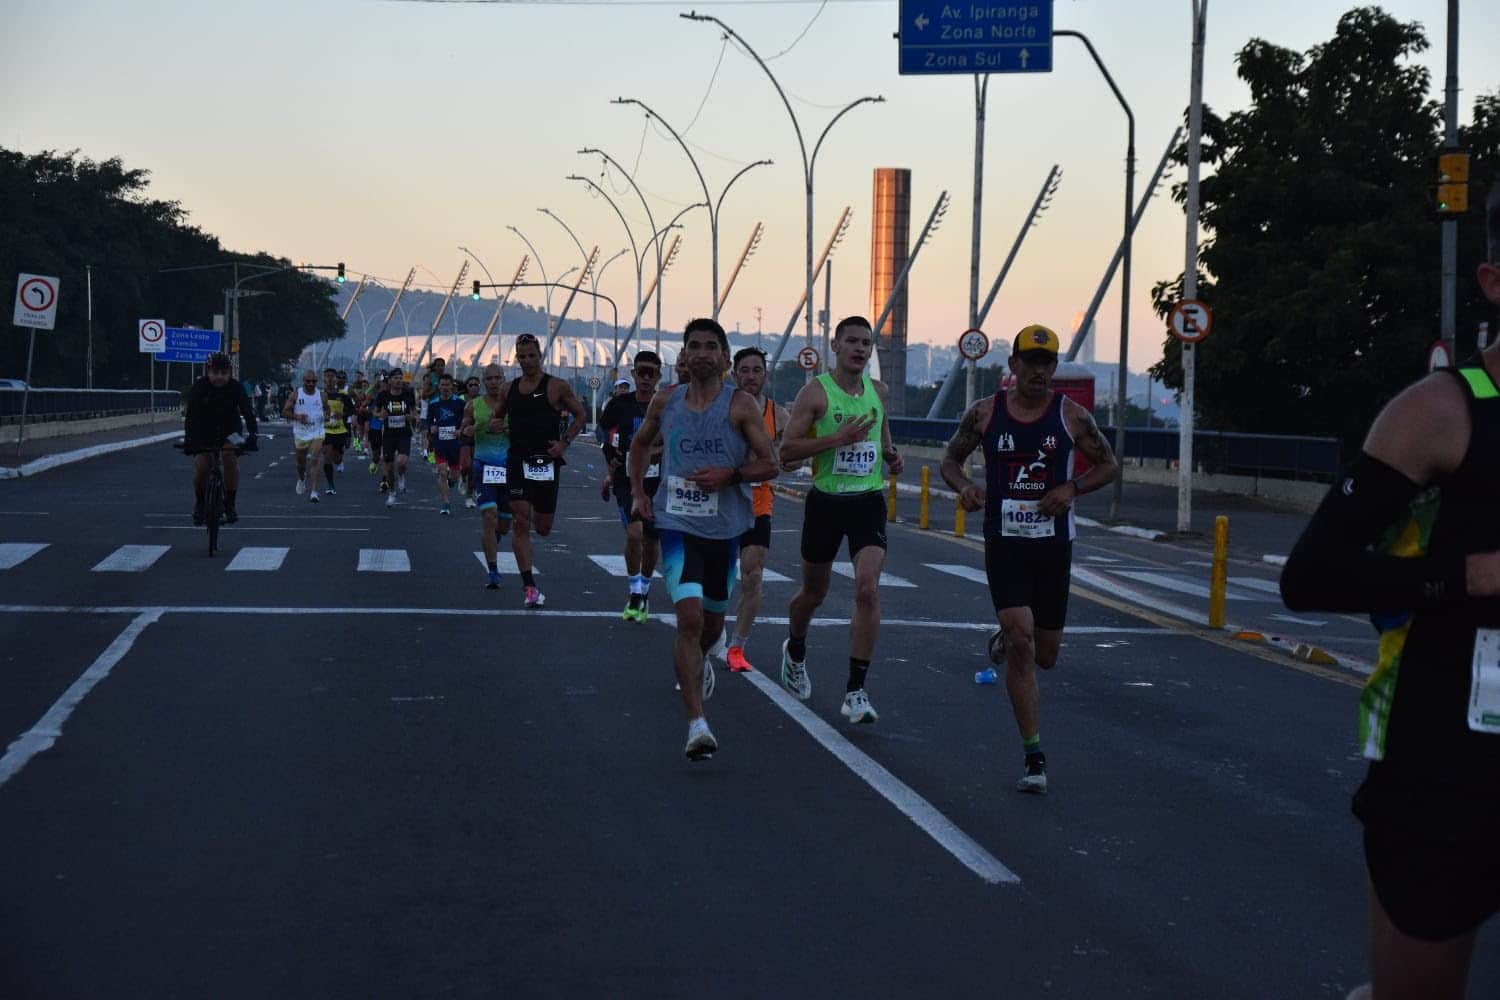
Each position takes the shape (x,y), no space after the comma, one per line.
(61,212)
(1321,249)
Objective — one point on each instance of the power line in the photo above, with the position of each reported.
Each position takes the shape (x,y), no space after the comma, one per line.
(805,29)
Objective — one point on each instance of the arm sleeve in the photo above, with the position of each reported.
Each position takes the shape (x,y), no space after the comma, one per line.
(1334,566)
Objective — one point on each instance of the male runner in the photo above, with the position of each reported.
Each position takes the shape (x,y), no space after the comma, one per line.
(359,391)
(534,405)
(336,431)
(1412,535)
(755,544)
(715,442)
(622,417)
(375,427)
(485,428)
(428,392)
(307,410)
(217,407)
(445,415)
(396,406)
(473,389)
(1028,434)
(838,421)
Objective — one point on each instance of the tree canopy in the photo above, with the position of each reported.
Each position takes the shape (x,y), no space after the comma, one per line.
(1321,248)
(61,213)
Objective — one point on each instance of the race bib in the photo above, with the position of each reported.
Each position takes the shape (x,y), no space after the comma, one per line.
(395,421)
(543,472)
(653,471)
(687,499)
(1024,519)
(1484,689)
(856,460)
(494,475)
(447,433)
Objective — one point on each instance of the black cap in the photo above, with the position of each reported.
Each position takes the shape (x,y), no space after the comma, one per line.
(219,360)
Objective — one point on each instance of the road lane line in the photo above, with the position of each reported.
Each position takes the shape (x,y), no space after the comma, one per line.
(1182,586)
(253,559)
(965,849)
(241,526)
(1256,583)
(13,554)
(132,558)
(45,733)
(384,561)
(846,570)
(963,572)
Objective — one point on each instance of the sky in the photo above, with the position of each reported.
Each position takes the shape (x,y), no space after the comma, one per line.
(386,134)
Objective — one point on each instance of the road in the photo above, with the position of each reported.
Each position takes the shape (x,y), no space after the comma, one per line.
(305,779)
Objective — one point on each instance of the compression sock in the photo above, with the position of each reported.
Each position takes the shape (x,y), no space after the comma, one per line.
(857,670)
(796,647)
(1032,744)
(526,578)
(637,584)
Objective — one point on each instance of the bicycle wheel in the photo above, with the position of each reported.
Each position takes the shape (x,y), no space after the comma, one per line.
(213,507)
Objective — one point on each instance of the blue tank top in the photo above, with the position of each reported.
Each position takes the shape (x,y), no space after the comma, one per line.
(701,440)
(1022,461)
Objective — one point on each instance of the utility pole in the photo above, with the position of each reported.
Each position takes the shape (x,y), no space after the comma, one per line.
(1449,314)
(88,269)
(1190,272)
(981,92)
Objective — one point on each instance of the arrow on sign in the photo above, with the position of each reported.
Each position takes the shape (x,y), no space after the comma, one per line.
(922,22)
(1025,57)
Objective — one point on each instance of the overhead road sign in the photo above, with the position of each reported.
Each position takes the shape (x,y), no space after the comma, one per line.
(36,301)
(1191,320)
(190,345)
(975,37)
(152,334)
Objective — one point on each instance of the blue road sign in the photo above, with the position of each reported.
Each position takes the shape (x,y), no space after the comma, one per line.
(190,345)
(976,37)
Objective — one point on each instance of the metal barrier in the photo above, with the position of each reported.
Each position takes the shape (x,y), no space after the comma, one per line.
(83,404)
(1284,456)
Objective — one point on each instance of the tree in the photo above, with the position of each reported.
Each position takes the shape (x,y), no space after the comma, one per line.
(1320,257)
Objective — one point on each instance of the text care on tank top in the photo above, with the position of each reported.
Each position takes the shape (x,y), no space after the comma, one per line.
(534,422)
(1022,461)
(695,441)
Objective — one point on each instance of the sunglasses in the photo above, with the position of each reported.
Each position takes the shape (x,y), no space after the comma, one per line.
(647,372)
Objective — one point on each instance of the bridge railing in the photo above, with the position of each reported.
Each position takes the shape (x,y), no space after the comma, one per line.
(83,404)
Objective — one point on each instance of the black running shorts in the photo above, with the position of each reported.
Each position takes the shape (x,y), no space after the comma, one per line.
(760,534)
(1027,574)
(540,492)
(395,442)
(829,519)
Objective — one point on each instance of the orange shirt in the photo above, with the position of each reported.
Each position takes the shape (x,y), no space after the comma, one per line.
(760,497)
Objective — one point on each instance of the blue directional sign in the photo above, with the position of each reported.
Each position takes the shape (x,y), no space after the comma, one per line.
(190,345)
(976,37)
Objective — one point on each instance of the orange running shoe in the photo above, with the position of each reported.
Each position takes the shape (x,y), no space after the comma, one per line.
(735,657)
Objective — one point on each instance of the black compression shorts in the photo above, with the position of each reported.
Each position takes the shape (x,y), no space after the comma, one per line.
(760,534)
(829,519)
(1025,574)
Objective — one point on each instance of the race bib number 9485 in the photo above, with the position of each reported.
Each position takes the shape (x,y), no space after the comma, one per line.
(690,500)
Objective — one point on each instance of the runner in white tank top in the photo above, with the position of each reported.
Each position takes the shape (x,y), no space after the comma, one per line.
(307,410)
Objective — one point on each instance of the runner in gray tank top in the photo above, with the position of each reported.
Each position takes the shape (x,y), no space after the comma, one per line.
(715,442)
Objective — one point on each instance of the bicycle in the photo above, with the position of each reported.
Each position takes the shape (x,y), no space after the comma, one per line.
(213,483)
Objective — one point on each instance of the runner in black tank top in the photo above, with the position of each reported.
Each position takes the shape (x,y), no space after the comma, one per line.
(534,406)
(1412,535)
(1029,435)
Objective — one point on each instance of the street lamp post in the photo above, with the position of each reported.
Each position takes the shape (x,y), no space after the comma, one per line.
(592,272)
(808,162)
(650,221)
(635,254)
(547,299)
(713,206)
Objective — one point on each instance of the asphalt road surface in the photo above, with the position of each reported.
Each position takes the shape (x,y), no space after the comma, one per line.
(274,773)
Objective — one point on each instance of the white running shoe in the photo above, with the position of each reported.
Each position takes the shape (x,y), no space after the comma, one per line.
(471,502)
(701,744)
(339,468)
(721,648)
(313,496)
(301,487)
(390,499)
(857,707)
(794,675)
(708,677)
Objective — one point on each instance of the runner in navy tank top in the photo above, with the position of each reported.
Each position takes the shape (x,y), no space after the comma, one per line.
(1030,436)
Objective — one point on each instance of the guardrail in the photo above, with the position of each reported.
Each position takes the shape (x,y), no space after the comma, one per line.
(1286,456)
(83,404)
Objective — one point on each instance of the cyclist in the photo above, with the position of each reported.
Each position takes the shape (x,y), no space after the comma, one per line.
(216,408)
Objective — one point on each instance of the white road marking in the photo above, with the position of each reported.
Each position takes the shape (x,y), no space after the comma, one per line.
(1180,585)
(49,727)
(1294,620)
(13,554)
(1101,559)
(963,572)
(505,562)
(253,527)
(1273,560)
(132,558)
(1256,583)
(298,517)
(384,561)
(257,560)
(615,565)
(940,828)
(846,570)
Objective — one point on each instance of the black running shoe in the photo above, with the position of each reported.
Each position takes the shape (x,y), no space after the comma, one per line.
(1035,778)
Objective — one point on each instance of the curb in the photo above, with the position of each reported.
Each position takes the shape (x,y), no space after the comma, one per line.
(45,463)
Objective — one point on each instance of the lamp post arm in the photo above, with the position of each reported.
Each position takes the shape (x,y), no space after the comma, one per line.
(743,171)
(689,153)
(834,121)
(650,220)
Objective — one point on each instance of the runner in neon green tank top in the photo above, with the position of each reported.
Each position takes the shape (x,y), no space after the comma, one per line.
(487,430)
(838,421)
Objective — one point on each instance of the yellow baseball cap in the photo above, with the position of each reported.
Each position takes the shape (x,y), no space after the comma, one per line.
(1036,338)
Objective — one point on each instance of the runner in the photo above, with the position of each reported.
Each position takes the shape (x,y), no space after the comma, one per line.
(396,406)
(534,405)
(307,409)
(336,431)
(359,391)
(755,544)
(717,442)
(1028,435)
(1412,536)
(428,392)
(375,427)
(473,389)
(838,421)
(444,417)
(485,427)
(618,424)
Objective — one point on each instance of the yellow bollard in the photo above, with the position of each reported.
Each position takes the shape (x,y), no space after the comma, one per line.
(958,520)
(922,521)
(890,505)
(1220,578)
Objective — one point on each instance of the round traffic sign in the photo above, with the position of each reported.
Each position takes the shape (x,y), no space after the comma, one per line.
(1191,320)
(152,331)
(38,294)
(973,344)
(594,382)
(807,359)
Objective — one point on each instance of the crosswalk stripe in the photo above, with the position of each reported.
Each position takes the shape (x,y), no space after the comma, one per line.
(264,559)
(1182,586)
(965,572)
(615,565)
(505,562)
(131,558)
(384,561)
(769,575)
(846,570)
(1256,583)
(13,554)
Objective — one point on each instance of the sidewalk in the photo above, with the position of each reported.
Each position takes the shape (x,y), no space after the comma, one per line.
(12,466)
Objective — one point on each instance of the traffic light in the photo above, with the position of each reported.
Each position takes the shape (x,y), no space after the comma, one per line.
(475,294)
(1453,182)
(340,278)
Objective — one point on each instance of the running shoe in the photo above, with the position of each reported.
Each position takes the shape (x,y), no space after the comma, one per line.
(701,744)
(339,469)
(736,660)
(301,487)
(857,707)
(372,468)
(1035,778)
(708,677)
(390,499)
(401,483)
(472,502)
(331,491)
(385,487)
(444,510)
(494,580)
(794,675)
(230,514)
(533,598)
(997,647)
(630,606)
(720,646)
(313,496)
(431,458)
(643,613)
